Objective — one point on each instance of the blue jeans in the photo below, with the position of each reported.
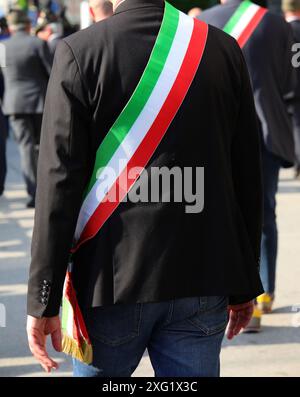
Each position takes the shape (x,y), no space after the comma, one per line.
(271,166)
(183,337)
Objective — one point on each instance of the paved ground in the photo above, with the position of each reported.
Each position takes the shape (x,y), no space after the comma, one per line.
(275,352)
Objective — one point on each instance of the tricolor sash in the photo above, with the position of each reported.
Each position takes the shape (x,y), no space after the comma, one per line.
(244,21)
(131,141)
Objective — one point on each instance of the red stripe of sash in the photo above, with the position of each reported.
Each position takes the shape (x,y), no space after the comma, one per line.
(252,25)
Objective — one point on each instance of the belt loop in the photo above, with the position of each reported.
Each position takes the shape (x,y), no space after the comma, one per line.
(203,303)
(170,312)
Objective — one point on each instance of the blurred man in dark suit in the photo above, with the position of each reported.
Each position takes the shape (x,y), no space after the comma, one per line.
(266,41)
(3,136)
(4,32)
(50,29)
(291,9)
(28,66)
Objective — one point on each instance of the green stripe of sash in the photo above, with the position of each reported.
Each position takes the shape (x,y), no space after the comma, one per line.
(141,94)
(228,28)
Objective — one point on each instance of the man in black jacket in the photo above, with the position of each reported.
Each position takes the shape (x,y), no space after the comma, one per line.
(152,275)
(3,137)
(268,55)
(291,10)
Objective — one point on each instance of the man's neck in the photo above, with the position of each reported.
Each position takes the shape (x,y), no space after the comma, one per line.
(99,17)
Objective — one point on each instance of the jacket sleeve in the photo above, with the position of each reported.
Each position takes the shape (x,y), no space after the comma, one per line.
(247,171)
(62,176)
(293,100)
(295,114)
(289,78)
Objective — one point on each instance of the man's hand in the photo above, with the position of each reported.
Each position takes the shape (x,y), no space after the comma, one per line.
(37,331)
(239,317)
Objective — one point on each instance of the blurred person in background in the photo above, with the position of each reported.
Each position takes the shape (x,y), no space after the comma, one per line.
(48,10)
(3,136)
(4,35)
(4,31)
(195,12)
(51,31)
(100,9)
(18,5)
(44,4)
(291,9)
(266,41)
(28,66)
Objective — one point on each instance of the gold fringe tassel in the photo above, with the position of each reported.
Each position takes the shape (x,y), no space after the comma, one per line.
(83,353)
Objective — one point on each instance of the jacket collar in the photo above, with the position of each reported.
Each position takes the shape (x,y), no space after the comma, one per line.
(134,4)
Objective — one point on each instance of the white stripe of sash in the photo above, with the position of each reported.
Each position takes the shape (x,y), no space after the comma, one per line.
(244,21)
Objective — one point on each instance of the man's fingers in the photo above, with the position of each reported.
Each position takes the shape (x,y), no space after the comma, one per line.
(56,338)
(233,317)
(238,324)
(239,319)
(46,362)
(41,355)
(38,349)
(245,317)
(45,368)
(36,345)
(37,330)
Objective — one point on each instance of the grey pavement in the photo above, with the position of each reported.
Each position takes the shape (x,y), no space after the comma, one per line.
(273,352)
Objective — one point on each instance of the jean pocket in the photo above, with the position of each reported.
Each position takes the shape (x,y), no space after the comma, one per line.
(114,325)
(213,317)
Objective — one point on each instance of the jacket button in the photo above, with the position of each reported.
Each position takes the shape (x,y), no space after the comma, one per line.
(44,301)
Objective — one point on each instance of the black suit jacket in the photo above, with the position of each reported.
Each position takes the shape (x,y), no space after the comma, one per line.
(295,104)
(28,66)
(268,56)
(3,136)
(147,252)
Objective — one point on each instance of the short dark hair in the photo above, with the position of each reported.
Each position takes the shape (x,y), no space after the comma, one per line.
(17,19)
